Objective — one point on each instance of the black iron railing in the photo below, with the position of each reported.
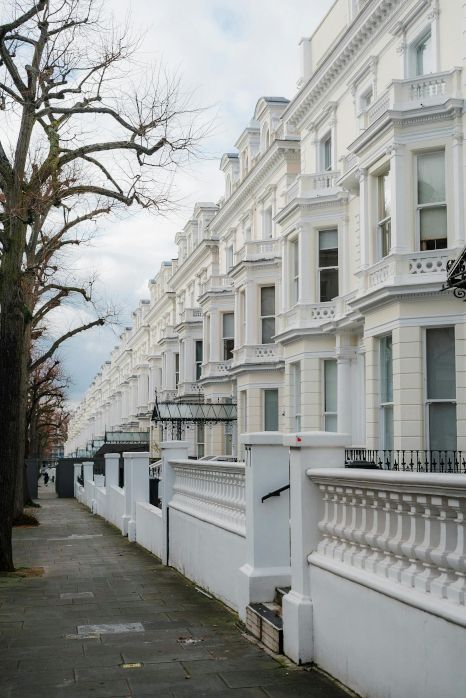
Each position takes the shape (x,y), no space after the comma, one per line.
(414,461)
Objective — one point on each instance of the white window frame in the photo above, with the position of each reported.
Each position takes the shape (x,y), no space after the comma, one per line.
(264,391)
(328,138)
(384,406)
(267,223)
(296,399)
(267,317)
(229,257)
(244,410)
(200,440)
(198,363)
(294,270)
(326,413)
(224,338)
(385,219)
(428,401)
(323,230)
(177,369)
(431,205)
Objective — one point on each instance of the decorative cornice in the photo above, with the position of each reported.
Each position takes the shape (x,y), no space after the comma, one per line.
(352,43)
(280,151)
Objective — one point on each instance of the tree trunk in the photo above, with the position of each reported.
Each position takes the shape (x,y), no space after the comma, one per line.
(22,427)
(12,324)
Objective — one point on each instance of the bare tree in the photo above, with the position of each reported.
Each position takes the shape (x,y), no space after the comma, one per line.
(47,415)
(78,138)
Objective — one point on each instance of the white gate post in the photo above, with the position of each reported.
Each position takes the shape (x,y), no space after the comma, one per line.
(139,487)
(88,475)
(307,451)
(267,562)
(112,465)
(170,451)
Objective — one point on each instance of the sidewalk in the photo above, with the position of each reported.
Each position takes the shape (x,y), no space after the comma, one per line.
(176,641)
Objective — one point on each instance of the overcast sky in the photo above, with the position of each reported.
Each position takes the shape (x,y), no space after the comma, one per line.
(228,53)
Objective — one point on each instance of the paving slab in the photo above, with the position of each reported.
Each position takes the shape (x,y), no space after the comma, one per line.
(106,619)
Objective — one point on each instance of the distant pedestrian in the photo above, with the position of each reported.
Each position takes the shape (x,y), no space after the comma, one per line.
(46,479)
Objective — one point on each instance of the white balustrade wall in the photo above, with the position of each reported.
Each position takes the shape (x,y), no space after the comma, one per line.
(387,581)
(207,524)
(376,560)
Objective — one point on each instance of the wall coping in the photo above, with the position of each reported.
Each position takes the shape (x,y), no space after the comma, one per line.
(317,439)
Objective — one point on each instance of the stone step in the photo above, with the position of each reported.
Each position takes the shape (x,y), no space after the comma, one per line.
(280,592)
(263,620)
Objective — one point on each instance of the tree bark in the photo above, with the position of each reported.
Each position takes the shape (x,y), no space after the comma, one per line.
(12,325)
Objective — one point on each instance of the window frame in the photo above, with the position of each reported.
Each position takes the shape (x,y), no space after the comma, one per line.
(267,317)
(198,362)
(429,401)
(327,413)
(383,220)
(385,406)
(430,205)
(296,404)
(226,339)
(320,268)
(264,414)
(294,269)
(326,151)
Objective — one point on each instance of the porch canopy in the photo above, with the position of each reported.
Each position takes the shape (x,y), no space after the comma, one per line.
(195,412)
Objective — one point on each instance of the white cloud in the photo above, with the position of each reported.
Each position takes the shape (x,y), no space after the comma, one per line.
(228,53)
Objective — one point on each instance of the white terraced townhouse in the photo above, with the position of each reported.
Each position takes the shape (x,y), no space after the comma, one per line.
(310,296)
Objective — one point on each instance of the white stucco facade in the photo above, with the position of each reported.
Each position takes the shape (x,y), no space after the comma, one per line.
(309,295)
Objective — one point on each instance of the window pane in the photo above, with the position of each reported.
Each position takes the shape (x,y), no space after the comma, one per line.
(328,239)
(442,426)
(328,284)
(440,346)
(268,300)
(228,325)
(431,177)
(330,422)
(328,258)
(330,381)
(271,410)
(268,330)
(433,223)
(198,350)
(386,369)
(228,346)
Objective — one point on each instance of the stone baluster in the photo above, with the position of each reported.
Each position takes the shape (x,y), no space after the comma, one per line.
(424,579)
(457,557)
